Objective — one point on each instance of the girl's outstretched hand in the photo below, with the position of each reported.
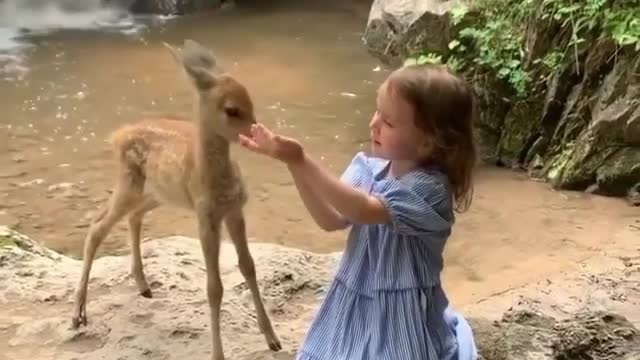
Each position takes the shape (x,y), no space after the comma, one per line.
(263,141)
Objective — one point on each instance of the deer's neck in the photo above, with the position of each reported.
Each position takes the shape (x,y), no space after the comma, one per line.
(212,155)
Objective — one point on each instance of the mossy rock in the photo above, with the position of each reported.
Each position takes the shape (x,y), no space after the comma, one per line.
(490,93)
(598,121)
(615,170)
(521,128)
(7,241)
(575,167)
(13,242)
(620,173)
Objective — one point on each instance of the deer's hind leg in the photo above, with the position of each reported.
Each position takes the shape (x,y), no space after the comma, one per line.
(135,228)
(236,227)
(126,196)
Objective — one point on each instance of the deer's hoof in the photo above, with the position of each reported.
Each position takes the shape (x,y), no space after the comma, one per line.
(274,344)
(76,321)
(147,294)
(80,319)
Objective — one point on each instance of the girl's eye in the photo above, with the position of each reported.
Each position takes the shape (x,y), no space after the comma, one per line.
(384,119)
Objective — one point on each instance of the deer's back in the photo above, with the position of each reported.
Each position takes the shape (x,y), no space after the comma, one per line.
(161,150)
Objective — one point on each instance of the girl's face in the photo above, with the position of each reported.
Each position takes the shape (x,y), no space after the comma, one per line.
(394,135)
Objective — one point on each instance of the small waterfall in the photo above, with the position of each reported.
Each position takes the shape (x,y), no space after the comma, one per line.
(42,15)
(21,19)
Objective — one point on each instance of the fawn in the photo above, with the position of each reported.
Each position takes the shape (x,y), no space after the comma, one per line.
(185,164)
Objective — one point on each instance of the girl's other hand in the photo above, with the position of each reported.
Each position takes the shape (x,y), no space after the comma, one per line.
(263,141)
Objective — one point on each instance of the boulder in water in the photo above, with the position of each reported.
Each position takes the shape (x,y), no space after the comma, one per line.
(399,28)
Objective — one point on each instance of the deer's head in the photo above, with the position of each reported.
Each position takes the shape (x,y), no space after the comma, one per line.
(225,105)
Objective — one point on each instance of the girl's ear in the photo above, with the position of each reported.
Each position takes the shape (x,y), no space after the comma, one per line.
(426,146)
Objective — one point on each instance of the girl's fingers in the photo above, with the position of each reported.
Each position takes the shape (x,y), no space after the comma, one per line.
(244,141)
(249,143)
(264,131)
(262,140)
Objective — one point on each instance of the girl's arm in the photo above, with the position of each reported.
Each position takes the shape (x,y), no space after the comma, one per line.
(332,203)
(263,141)
(355,205)
(321,211)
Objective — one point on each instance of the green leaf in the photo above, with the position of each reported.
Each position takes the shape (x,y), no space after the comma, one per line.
(428,59)
(458,13)
(569,9)
(410,61)
(468,33)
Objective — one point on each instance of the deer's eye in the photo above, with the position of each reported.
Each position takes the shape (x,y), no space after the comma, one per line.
(232,111)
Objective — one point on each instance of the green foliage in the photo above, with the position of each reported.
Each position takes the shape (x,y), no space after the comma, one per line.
(6,241)
(623,25)
(427,58)
(495,40)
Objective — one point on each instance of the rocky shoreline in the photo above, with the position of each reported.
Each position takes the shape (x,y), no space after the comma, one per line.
(591,313)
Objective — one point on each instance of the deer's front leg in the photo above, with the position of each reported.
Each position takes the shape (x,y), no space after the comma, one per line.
(237,230)
(209,228)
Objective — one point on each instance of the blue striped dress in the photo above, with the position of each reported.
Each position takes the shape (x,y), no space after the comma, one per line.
(386,302)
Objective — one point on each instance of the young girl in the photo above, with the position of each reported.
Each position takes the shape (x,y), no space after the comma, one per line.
(386,301)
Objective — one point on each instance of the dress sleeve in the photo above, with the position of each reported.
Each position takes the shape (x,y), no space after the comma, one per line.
(416,206)
(356,173)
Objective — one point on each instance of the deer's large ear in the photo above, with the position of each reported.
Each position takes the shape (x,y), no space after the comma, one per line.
(201,77)
(200,55)
(198,62)
(174,52)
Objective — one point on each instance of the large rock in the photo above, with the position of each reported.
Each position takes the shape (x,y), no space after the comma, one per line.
(633,195)
(584,133)
(524,335)
(399,28)
(491,111)
(37,290)
(37,287)
(620,172)
(519,131)
(596,140)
